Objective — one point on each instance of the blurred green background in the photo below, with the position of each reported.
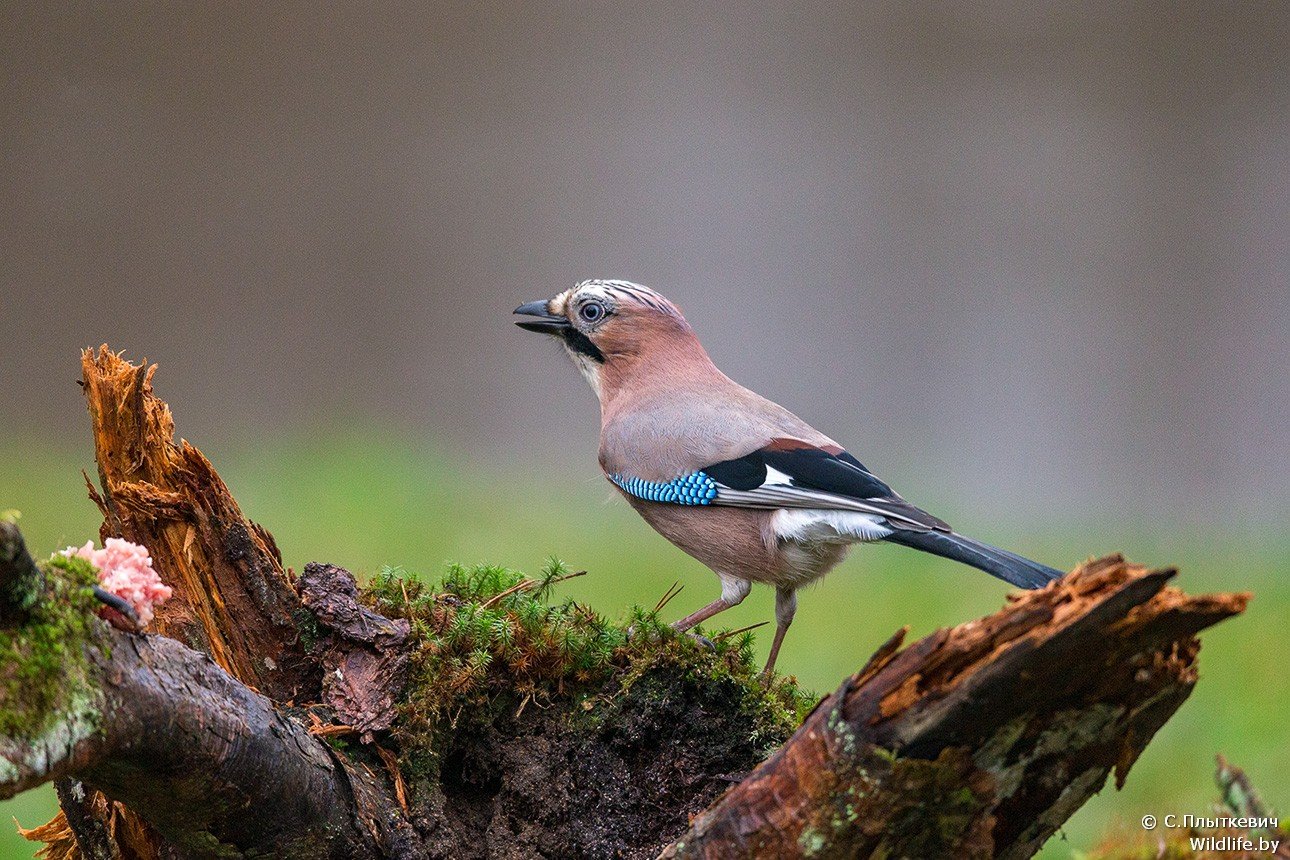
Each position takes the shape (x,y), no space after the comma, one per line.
(1027,261)
(368,496)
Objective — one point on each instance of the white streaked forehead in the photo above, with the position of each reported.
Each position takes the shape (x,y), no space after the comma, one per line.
(594,289)
(607,284)
(616,291)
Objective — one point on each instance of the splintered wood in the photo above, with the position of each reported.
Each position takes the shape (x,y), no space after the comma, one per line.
(232,599)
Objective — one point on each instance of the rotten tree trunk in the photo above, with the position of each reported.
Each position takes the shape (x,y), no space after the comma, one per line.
(213,767)
(188,748)
(232,598)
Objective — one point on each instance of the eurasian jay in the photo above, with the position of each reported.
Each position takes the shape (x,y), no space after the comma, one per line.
(740,483)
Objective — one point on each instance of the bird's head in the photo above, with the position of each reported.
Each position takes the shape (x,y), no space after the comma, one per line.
(614,328)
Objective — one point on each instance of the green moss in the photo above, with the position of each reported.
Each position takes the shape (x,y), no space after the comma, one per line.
(488,638)
(43,664)
(812,842)
(307,625)
(956,808)
(205,844)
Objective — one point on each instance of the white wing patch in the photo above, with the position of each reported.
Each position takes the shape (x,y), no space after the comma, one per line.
(808,525)
(775,476)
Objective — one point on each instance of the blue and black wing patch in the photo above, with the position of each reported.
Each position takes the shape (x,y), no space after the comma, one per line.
(695,488)
(787,473)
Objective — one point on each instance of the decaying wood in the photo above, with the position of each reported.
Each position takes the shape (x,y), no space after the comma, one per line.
(364,661)
(166,755)
(233,600)
(978,741)
(975,741)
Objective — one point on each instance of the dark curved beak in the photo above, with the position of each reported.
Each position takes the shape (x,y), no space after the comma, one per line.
(546,321)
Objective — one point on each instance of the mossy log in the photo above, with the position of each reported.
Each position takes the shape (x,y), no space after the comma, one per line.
(276,716)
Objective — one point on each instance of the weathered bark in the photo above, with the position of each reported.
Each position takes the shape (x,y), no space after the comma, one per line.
(210,763)
(975,741)
(363,654)
(165,754)
(981,740)
(233,600)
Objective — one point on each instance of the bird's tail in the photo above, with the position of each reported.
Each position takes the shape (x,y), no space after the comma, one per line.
(1008,566)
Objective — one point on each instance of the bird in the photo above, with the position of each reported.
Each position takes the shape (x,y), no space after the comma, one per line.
(731,478)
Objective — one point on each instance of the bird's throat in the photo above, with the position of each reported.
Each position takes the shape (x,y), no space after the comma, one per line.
(588,366)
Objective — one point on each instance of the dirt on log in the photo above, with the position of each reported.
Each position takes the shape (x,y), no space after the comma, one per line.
(300,721)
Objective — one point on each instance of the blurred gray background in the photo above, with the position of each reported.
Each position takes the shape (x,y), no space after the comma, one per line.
(1032,255)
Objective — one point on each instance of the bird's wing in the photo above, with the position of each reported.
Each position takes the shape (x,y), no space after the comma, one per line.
(787,473)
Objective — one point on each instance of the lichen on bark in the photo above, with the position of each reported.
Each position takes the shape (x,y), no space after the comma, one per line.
(44,664)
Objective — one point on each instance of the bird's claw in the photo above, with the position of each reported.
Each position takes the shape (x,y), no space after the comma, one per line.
(700,639)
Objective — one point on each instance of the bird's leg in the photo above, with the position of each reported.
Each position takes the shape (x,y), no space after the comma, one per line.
(785,608)
(733,591)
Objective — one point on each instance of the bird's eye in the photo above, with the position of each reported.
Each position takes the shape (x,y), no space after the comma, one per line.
(592,312)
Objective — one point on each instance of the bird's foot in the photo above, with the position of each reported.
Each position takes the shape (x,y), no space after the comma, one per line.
(699,638)
(702,640)
(686,626)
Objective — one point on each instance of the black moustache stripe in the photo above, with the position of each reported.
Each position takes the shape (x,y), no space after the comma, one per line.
(581,344)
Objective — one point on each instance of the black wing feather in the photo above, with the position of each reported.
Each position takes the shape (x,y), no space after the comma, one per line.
(834,479)
(741,473)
